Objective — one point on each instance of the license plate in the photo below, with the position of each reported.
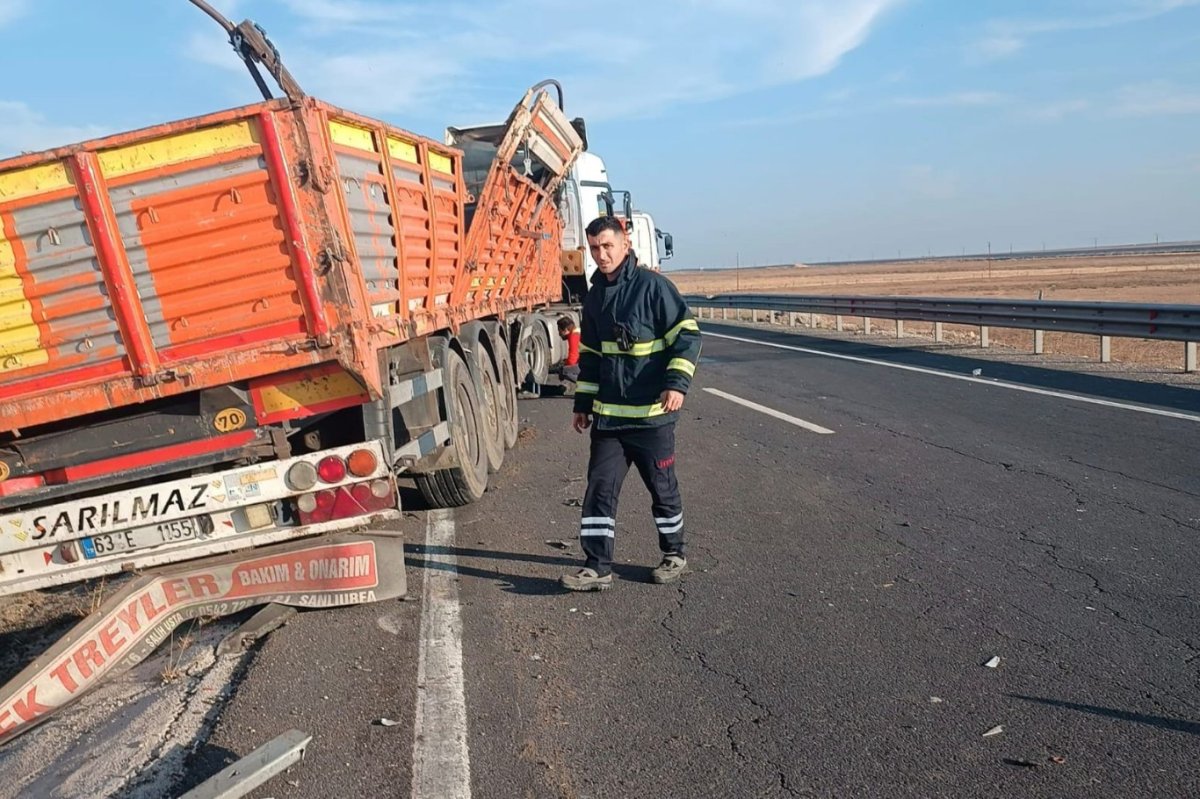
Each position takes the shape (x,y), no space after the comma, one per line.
(165,533)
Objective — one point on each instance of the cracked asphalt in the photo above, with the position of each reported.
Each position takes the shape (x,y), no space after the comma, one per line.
(845,592)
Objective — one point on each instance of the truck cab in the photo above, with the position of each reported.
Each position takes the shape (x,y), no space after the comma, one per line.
(651,245)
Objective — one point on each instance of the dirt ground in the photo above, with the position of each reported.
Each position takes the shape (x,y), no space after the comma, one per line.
(1171,279)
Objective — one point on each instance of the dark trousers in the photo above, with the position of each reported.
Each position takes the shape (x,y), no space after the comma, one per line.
(568,373)
(652,451)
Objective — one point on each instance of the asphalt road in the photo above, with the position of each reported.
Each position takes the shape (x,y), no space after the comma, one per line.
(846,590)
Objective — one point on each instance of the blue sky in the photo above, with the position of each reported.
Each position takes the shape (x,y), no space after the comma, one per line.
(760,130)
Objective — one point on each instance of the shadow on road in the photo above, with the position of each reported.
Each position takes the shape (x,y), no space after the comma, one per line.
(513,582)
(1162,722)
(1092,385)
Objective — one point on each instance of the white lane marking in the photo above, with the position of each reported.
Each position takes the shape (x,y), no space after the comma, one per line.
(1045,392)
(815,428)
(441,762)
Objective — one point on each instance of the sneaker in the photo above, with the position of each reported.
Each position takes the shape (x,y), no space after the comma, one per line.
(586,580)
(670,569)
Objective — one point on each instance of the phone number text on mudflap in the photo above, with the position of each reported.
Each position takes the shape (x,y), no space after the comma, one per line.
(122,510)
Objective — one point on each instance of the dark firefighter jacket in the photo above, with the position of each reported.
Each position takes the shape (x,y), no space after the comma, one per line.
(638,339)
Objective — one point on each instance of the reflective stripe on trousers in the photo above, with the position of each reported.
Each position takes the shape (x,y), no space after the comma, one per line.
(652,451)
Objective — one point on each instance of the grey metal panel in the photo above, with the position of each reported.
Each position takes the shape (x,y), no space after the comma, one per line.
(186,179)
(371,222)
(414,387)
(62,265)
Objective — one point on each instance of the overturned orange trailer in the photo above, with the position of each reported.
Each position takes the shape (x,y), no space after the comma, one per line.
(236,329)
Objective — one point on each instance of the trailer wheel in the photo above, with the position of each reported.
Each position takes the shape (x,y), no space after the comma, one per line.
(541,352)
(508,393)
(492,407)
(462,484)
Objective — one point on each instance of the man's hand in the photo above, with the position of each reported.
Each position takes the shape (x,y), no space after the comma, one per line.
(671,400)
(581,422)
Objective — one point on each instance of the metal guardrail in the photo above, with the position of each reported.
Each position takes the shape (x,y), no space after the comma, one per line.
(1103,319)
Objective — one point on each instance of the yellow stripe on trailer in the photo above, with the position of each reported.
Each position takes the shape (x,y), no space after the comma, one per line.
(353,136)
(309,392)
(179,148)
(441,163)
(20,341)
(402,150)
(33,180)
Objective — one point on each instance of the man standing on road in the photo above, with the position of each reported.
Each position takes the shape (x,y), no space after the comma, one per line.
(638,352)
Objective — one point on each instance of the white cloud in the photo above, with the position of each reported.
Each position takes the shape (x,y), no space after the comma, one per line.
(23,129)
(387,58)
(954,99)
(1005,37)
(1157,98)
(11,9)
(1060,109)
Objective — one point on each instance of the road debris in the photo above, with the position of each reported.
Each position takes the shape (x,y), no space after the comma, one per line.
(260,625)
(977,372)
(1029,764)
(936,700)
(386,722)
(997,730)
(558,544)
(254,769)
(994,663)
(573,503)
(1058,760)
(133,622)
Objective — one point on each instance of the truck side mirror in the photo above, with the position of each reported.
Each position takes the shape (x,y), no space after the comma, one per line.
(668,246)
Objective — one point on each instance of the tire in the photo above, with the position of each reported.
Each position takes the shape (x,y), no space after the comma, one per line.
(508,393)
(462,484)
(540,351)
(487,385)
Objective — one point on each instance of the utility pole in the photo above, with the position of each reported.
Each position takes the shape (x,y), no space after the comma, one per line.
(737,269)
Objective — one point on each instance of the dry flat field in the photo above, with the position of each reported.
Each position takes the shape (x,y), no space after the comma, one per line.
(1171,279)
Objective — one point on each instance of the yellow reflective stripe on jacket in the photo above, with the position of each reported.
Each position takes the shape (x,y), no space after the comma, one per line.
(686,324)
(639,348)
(587,388)
(683,365)
(585,348)
(628,411)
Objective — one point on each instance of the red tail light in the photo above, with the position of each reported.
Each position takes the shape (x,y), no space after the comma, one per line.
(331,469)
(346,502)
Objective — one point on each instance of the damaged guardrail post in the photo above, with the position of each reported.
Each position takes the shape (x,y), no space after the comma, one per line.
(242,777)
